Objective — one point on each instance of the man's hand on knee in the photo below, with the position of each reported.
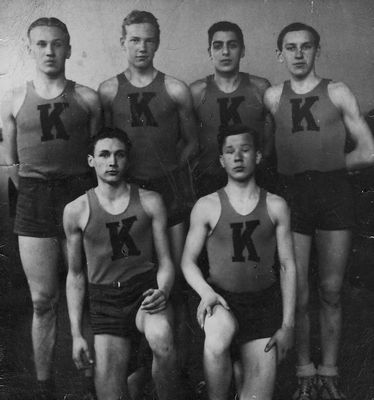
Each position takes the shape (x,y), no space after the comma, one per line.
(283,340)
(207,304)
(155,300)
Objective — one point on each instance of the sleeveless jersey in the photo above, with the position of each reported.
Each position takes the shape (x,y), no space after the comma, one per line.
(120,246)
(241,248)
(150,118)
(52,135)
(310,134)
(217,108)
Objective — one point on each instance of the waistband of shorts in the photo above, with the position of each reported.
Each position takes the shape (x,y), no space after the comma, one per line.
(124,284)
(274,289)
(60,180)
(315,174)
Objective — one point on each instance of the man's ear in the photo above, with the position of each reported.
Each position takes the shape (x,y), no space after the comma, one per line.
(221,161)
(258,157)
(279,55)
(90,160)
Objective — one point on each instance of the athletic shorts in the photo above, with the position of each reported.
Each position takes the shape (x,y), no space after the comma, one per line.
(259,314)
(113,307)
(319,200)
(174,189)
(40,204)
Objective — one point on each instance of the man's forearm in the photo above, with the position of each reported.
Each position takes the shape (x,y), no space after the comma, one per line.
(288,288)
(75,290)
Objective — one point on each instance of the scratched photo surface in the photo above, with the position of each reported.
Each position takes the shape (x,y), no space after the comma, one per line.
(347,54)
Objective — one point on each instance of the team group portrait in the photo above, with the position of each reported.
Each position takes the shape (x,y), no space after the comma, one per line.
(187,200)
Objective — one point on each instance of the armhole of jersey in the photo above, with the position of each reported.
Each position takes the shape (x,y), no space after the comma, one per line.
(219,216)
(137,188)
(332,103)
(89,212)
(80,100)
(25,93)
(280,98)
(267,208)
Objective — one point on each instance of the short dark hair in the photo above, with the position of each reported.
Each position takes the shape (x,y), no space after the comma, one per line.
(141,17)
(225,26)
(236,129)
(110,133)
(49,21)
(297,26)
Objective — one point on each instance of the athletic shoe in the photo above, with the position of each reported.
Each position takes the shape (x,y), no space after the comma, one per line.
(306,388)
(328,388)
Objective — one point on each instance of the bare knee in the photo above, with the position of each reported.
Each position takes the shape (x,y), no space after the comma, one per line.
(44,304)
(218,338)
(160,339)
(330,295)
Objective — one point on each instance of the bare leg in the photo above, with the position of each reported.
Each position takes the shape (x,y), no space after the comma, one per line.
(158,330)
(259,370)
(333,252)
(39,258)
(302,245)
(112,355)
(219,332)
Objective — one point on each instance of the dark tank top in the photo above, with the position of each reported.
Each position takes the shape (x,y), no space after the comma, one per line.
(241,248)
(244,105)
(52,135)
(310,134)
(117,247)
(150,118)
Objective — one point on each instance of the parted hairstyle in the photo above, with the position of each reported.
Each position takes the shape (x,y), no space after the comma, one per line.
(110,133)
(294,27)
(236,129)
(141,17)
(50,21)
(225,26)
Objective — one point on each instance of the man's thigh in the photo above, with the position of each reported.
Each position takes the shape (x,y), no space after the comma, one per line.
(259,369)
(40,258)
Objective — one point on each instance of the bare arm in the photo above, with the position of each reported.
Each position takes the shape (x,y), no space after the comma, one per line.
(363,154)
(181,94)
(92,104)
(155,300)
(198,232)
(107,91)
(280,215)
(75,282)
(10,137)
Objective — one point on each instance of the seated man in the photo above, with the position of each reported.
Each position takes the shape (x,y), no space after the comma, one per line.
(242,226)
(117,224)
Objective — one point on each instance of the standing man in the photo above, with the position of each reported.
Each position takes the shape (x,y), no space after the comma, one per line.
(227,97)
(312,117)
(47,124)
(156,112)
(117,224)
(243,226)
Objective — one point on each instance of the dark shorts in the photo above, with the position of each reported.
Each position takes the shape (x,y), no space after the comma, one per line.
(175,191)
(40,204)
(319,200)
(113,309)
(259,314)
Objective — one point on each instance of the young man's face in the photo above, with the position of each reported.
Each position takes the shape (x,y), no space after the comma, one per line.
(226,51)
(299,53)
(240,157)
(109,160)
(140,44)
(49,48)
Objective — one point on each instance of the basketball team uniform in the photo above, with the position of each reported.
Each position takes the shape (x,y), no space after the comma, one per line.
(217,108)
(52,142)
(150,118)
(310,144)
(119,251)
(242,257)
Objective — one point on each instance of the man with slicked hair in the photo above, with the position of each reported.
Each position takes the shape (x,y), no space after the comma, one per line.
(314,116)
(47,124)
